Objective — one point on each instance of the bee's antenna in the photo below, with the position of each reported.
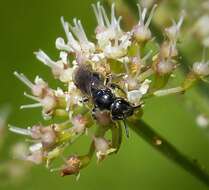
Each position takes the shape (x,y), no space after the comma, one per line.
(126,128)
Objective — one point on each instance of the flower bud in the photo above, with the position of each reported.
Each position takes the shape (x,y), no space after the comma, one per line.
(165,67)
(103,117)
(201,68)
(103,148)
(79,123)
(35,157)
(39,87)
(48,103)
(48,137)
(36,132)
(130,83)
(173,31)
(101,144)
(141,33)
(37,90)
(66,75)
(134,96)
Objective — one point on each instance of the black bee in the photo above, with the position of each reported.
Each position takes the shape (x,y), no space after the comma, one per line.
(92,84)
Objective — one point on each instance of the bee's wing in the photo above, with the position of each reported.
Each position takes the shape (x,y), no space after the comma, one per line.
(86,80)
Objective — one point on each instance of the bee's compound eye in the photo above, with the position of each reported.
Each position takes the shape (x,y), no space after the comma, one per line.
(121,109)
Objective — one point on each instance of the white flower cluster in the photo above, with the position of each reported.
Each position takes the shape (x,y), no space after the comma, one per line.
(117,55)
(112,43)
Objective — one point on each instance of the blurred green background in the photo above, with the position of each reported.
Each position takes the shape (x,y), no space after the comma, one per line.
(26,26)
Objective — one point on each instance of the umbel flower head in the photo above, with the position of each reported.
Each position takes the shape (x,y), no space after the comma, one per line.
(122,64)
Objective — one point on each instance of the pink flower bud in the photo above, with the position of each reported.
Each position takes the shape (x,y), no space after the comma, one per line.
(48,103)
(165,67)
(79,123)
(48,137)
(36,132)
(101,144)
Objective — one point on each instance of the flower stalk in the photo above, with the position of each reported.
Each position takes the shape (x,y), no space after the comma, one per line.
(163,146)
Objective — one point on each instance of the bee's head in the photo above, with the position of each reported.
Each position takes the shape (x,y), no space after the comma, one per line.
(121,109)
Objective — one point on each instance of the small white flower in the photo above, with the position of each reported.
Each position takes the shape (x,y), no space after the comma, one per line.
(19,150)
(48,137)
(48,103)
(73,44)
(97,57)
(80,34)
(101,144)
(107,30)
(131,83)
(44,58)
(38,88)
(173,31)
(73,97)
(35,147)
(59,92)
(83,44)
(71,87)
(119,48)
(35,157)
(102,147)
(165,66)
(57,67)
(66,75)
(61,45)
(64,57)
(201,27)
(202,121)
(141,31)
(201,68)
(134,96)
(79,123)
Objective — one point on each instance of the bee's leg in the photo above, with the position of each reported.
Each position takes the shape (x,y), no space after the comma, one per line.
(84,100)
(110,77)
(94,110)
(116,86)
(126,128)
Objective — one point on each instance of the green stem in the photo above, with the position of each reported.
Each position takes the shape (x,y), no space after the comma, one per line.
(86,159)
(168,150)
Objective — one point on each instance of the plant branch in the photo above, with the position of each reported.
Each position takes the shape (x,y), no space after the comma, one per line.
(168,150)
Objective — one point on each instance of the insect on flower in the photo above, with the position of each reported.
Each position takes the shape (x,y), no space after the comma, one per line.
(92,84)
(107,81)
